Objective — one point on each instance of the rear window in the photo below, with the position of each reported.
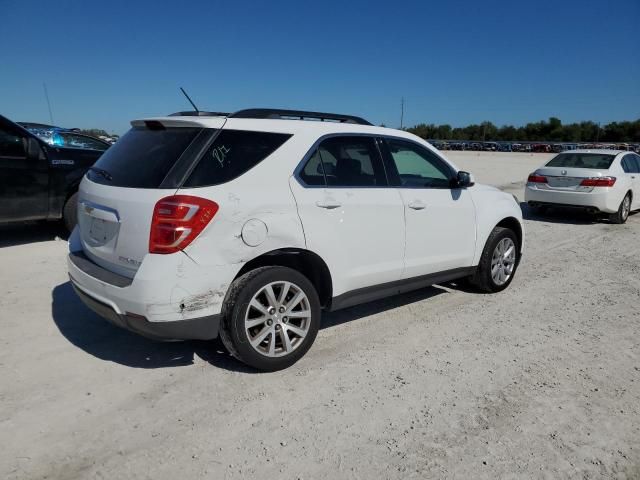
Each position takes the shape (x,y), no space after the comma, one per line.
(233,153)
(598,161)
(143,157)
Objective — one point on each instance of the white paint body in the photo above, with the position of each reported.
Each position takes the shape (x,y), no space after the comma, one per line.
(372,237)
(565,192)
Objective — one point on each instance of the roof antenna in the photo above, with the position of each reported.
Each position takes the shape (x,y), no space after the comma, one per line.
(46,95)
(190,101)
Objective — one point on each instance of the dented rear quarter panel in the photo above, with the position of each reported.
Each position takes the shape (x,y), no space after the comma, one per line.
(262,194)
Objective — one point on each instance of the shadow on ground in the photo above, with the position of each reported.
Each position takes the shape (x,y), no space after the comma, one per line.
(87,331)
(32,232)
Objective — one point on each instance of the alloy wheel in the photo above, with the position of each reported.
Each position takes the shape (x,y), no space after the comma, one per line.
(503,261)
(626,207)
(277,319)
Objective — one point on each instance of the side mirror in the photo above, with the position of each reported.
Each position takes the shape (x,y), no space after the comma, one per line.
(464,180)
(34,150)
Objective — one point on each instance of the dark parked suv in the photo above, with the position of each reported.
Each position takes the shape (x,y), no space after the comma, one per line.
(39,180)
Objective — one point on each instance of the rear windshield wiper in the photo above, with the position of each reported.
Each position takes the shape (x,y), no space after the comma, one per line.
(102,172)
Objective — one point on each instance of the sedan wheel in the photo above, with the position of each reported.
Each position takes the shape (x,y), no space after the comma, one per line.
(623,211)
(626,207)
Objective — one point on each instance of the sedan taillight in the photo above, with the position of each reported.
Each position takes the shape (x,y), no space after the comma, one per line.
(598,182)
(177,221)
(533,178)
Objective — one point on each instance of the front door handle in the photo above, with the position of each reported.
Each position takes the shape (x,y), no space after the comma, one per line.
(417,205)
(328,204)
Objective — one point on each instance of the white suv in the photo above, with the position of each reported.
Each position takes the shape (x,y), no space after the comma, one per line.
(248,225)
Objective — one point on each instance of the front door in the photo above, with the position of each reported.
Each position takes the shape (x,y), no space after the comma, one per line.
(440,220)
(350,216)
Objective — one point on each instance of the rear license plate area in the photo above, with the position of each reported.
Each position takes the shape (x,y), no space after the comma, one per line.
(99,229)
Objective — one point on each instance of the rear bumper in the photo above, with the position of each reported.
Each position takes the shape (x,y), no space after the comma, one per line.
(204,328)
(156,303)
(596,201)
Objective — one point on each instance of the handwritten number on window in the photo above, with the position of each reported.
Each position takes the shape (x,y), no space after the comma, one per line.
(220,154)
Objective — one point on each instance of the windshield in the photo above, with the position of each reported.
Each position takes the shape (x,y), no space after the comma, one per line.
(143,157)
(599,161)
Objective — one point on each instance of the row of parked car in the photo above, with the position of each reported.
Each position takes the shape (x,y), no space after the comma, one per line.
(530,146)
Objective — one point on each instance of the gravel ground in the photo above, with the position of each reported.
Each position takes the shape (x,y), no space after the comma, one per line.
(539,381)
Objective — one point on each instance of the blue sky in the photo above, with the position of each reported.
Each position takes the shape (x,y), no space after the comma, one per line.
(454,62)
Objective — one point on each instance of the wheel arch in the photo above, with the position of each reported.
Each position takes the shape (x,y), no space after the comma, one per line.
(513,224)
(308,263)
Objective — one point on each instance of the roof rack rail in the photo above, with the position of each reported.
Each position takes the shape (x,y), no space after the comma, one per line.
(198,113)
(297,114)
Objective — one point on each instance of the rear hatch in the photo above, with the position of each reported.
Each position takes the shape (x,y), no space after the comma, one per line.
(119,193)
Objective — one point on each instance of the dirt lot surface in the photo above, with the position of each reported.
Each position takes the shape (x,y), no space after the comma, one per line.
(539,381)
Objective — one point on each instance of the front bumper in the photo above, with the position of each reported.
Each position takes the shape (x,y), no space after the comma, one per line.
(126,303)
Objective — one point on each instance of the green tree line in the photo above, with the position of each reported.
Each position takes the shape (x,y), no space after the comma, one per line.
(552,130)
(95,132)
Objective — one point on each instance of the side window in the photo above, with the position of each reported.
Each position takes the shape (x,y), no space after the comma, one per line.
(626,164)
(313,173)
(12,146)
(635,163)
(351,162)
(233,153)
(417,166)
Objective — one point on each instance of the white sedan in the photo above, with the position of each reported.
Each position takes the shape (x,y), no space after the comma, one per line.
(599,181)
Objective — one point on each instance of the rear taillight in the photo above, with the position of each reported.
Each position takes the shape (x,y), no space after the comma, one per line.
(177,220)
(533,178)
(598,182)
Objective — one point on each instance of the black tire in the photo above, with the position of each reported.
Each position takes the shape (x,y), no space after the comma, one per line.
(233,333)
(482,280)
(623,212)
(70,212)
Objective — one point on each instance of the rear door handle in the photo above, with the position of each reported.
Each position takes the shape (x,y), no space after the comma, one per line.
(417,205)
(328,204)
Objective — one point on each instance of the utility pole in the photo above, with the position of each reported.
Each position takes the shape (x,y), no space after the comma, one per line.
(46,95)
(598,133)
(401,113)
(484,130)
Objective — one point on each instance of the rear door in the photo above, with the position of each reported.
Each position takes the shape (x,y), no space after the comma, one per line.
(350,215)
(631,167)
(24,182)
(119,193)
(440,220)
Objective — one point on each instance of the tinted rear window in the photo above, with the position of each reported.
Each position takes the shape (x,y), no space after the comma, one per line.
(142,158)
(598,161)
(231,154)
